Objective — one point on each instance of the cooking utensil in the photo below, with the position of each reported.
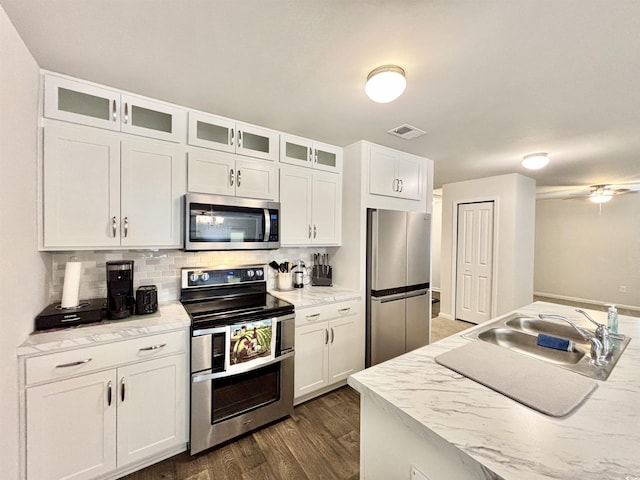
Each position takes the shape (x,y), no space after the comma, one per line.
(273,264)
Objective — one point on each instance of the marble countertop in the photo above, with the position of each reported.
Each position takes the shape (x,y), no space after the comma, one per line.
(170,316)
(599,441)
(310,296)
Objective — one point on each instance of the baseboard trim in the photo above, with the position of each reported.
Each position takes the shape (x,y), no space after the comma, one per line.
(585,300)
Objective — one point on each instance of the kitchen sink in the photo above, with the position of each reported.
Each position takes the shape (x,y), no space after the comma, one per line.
(519,333)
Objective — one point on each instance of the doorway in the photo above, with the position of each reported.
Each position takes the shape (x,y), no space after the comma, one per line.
(474,262)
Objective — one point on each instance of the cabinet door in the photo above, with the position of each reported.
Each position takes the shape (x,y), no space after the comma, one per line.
(344,347)
(326,208)
(81,187)
(409,172)
(296,151)
(257,142)
(71,428)
(211,172)
(256,179)
(151,408)
(79,103)
(312,361)
(211,131)
(153,182)
(295,205)
(382,172)
(327,157)
(141,116)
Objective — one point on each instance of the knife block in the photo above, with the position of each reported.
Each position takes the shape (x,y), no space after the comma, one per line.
(321,276)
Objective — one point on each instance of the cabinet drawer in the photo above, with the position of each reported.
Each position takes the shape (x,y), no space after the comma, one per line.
(85,360)
(322,313)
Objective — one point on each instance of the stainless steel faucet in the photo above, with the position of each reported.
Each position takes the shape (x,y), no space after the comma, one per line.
(598,351)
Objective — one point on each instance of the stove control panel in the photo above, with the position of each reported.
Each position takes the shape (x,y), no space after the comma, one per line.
(201,277)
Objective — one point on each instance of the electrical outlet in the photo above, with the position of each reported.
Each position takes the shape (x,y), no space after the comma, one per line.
(623,289)
(417,474)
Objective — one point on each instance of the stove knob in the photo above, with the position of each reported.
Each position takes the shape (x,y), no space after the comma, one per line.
(205,276)
(250,273)
(194,277)
(259,272)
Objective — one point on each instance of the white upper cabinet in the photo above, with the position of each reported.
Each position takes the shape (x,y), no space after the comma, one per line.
(224,173)
(104,191)
(226,135)
(307,153)
(395,174)
(87,104)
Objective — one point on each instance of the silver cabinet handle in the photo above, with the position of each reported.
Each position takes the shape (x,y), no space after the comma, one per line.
(231,178)
(153,347)
(239,138)
(114,111)
(395,185)
(313,316)
(238,178)
(401,184)
(315,156)
(231,133)
(122,389)
(310,155)
(326,336)
(114,227)
(126,113)
(315,231)
(344,310)
(309,234)
(74,364)
(109,393)
(332,335)
(125,228)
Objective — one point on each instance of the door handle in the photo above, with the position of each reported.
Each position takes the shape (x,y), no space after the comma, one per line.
(331,334)
(114,111)
(126,113)
(239,138)
(231,177)
(109,393)
(315,231)
(238,177)
(309,234)
(326,336)
(122,389)
(401,182)
(126,227)
(231,136)
(114,227)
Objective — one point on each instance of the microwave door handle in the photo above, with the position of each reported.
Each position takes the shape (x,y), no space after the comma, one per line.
(267,225)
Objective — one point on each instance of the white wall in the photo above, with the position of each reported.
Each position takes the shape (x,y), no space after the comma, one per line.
(582,254)
(22,268)
(514,220)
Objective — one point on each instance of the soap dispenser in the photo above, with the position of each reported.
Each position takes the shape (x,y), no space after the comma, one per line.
(612,318)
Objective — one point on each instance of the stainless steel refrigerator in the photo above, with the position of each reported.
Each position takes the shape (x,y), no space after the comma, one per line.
(398,275)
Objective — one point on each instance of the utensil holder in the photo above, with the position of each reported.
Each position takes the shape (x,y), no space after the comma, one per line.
(284,281)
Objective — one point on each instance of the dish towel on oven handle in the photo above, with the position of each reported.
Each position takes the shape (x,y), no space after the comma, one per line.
(250,343)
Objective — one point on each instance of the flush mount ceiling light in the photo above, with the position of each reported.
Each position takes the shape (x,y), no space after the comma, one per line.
(600,194)
(535,161)
(385,84)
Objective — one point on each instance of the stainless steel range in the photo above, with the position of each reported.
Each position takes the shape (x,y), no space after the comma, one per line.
(242,349)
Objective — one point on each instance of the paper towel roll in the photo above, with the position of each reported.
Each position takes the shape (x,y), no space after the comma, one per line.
(71,287)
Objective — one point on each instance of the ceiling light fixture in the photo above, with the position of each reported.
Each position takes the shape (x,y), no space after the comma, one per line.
(385,84)
(535,161)
(601,195)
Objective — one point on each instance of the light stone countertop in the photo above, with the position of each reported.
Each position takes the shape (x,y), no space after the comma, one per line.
(599,441)
(170,316)
(310,296)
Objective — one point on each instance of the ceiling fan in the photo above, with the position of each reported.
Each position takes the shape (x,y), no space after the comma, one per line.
(600,193)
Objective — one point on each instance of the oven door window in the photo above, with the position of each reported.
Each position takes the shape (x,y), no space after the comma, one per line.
(238,394)
(217,223)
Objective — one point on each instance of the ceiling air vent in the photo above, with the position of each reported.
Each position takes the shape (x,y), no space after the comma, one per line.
(407,132)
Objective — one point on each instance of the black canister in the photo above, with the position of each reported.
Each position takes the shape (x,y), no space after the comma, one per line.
(146,299)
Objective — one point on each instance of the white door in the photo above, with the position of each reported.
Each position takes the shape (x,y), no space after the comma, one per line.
(211,172)
(382,172)
(211,131)
(343,339)
(474,271)
(153,182)
(81,187)
(295,205)
(326,208)
(257,142)
(141,116)
(151,408)
(256,179)
(71,428)
(312,361)
(409,172)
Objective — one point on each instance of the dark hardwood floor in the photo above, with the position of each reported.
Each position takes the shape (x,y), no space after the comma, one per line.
(320,441)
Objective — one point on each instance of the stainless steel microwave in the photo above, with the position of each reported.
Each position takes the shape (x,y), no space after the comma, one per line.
(216,222)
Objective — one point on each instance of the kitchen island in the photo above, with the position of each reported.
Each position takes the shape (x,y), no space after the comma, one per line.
(417,413)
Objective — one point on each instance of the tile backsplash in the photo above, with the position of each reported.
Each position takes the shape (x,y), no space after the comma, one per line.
(162,268)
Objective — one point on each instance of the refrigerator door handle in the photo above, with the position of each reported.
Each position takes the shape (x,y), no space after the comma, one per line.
(417,293)
(400,296)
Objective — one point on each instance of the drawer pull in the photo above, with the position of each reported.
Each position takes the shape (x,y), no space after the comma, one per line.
(313,317)
(153,347)
(344,310)
(74,364)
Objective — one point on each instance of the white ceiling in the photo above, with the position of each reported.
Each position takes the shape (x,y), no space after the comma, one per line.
(489,81)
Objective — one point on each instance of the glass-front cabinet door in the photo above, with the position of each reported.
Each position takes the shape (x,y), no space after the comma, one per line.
(148,118)
(327,157)
(307,153)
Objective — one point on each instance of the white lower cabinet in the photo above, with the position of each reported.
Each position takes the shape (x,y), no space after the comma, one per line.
(97,424)
(329,347)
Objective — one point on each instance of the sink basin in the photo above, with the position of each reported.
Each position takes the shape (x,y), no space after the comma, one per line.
(519,333)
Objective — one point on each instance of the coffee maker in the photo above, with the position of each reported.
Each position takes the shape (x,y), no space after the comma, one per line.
(120,299)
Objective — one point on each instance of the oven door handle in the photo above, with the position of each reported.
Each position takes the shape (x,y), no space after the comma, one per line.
(198,377)
(208,331)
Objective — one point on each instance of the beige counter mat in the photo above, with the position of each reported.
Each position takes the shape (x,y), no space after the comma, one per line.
(534,383)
